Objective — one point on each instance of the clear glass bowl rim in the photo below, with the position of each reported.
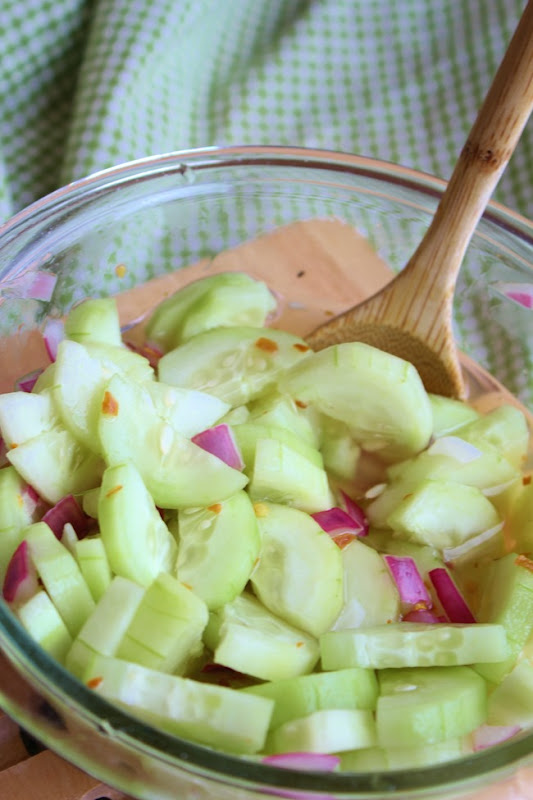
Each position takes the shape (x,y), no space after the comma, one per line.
(45,673)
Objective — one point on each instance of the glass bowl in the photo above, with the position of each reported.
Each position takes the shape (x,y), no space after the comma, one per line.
(124,227)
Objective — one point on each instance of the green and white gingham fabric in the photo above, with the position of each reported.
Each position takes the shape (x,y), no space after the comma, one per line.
(86,84)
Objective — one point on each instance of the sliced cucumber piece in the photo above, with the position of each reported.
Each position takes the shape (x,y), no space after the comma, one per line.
(297,697)
(121,360)
(370,596)
(331,731)
(249,434)
(56,465)
(297,554)
(218,548)
(280,411)
(94,564)
(94,320)
(235,364)
(449,414)
(177,473)
(248,638)
(377,759)
(380,397)
(425,557)
(104,629)
(166,630)
(405,644)
(521,519)
(89,502)
(137,541)
(281,475)
(60,575)
(339,450)
(504,428)
(188,411)
(443,514)
(41,619)
(507,600)
(213,715)
(24,415)
(511,702)
(419,707)
(19,508)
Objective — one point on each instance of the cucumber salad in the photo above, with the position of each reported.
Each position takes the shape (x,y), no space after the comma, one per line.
(299,557)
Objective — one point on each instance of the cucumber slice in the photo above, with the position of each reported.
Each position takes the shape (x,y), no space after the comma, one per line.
(511,702)
(94,320)
(56,465)
(339,450)
(60,575)
(443,514)
(212,715)
(94,565)
(370,594)
(504,428)
(297,554)
(226,299)
(24,415)
(235,364)
(188,411)
(104,629)
(405,644)
(507,600)
(137,541)
(121,360)
(218,548)
(280,411)
(331,731)
(249,434)
(18,509)
(89,502)
(419,707)
(297,697)
(377,759)
(42,621)
(248,638)
(449,415)
(380,397)
(521,519)
(166,630)
(425,557)
(177,473)
(281,475)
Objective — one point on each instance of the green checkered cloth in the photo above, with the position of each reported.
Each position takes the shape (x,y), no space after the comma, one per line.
(86,84)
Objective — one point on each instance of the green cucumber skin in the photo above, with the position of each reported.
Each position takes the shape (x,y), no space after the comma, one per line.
(42,621)
(96,320)
(325,731)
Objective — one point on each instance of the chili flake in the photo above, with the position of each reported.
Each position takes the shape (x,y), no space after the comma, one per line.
(267,345)
(524,561)
(109,405)
(114,490)
(216,508)
(94,683)
(303,348)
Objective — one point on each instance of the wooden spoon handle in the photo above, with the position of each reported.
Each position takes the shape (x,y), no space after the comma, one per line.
(489,146)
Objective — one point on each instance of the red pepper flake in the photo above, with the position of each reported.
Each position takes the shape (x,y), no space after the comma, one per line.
(267,345)
(94,683)
(216,508)
(526,480)
(114,490)
(261,510)
(420,606)
(300,404)
(299,644)
(109,405)
(20,501)
(303,348)
(524,561)
(13,445)
(187,586)
(406,496)
(344,539)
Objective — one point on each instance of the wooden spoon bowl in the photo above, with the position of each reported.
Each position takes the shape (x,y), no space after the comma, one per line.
(412,316)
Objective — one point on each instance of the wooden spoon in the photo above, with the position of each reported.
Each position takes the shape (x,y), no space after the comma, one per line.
(412,316)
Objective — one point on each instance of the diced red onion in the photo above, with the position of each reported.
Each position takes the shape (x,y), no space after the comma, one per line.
(220,442)
(450,597)
(20,582)
(454,447)
(408,580)
(41,285)
(309,762)
(356,513)
(67,510)
(53,334)
(336,521)
(490,735)
(27,382)
(422,615)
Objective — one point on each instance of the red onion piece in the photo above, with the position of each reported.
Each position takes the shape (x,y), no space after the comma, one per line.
(408,580)
(53,334)
(422,615)
(309,762)
(152,352)
(356,513)
(27,382)
(3,453)
(34,505)
(41,285)
(450,597)
(220,442)
(490,735)
(20,582)
(67,510)
(335,521)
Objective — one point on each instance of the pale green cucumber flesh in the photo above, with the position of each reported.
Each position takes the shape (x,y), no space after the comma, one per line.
(511,702)
(24,415)
(96,320)
(505,428)
(300,570)
(326,731)
(217,550)
(42,621)
(94,564)
(248,434)
(449,414)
